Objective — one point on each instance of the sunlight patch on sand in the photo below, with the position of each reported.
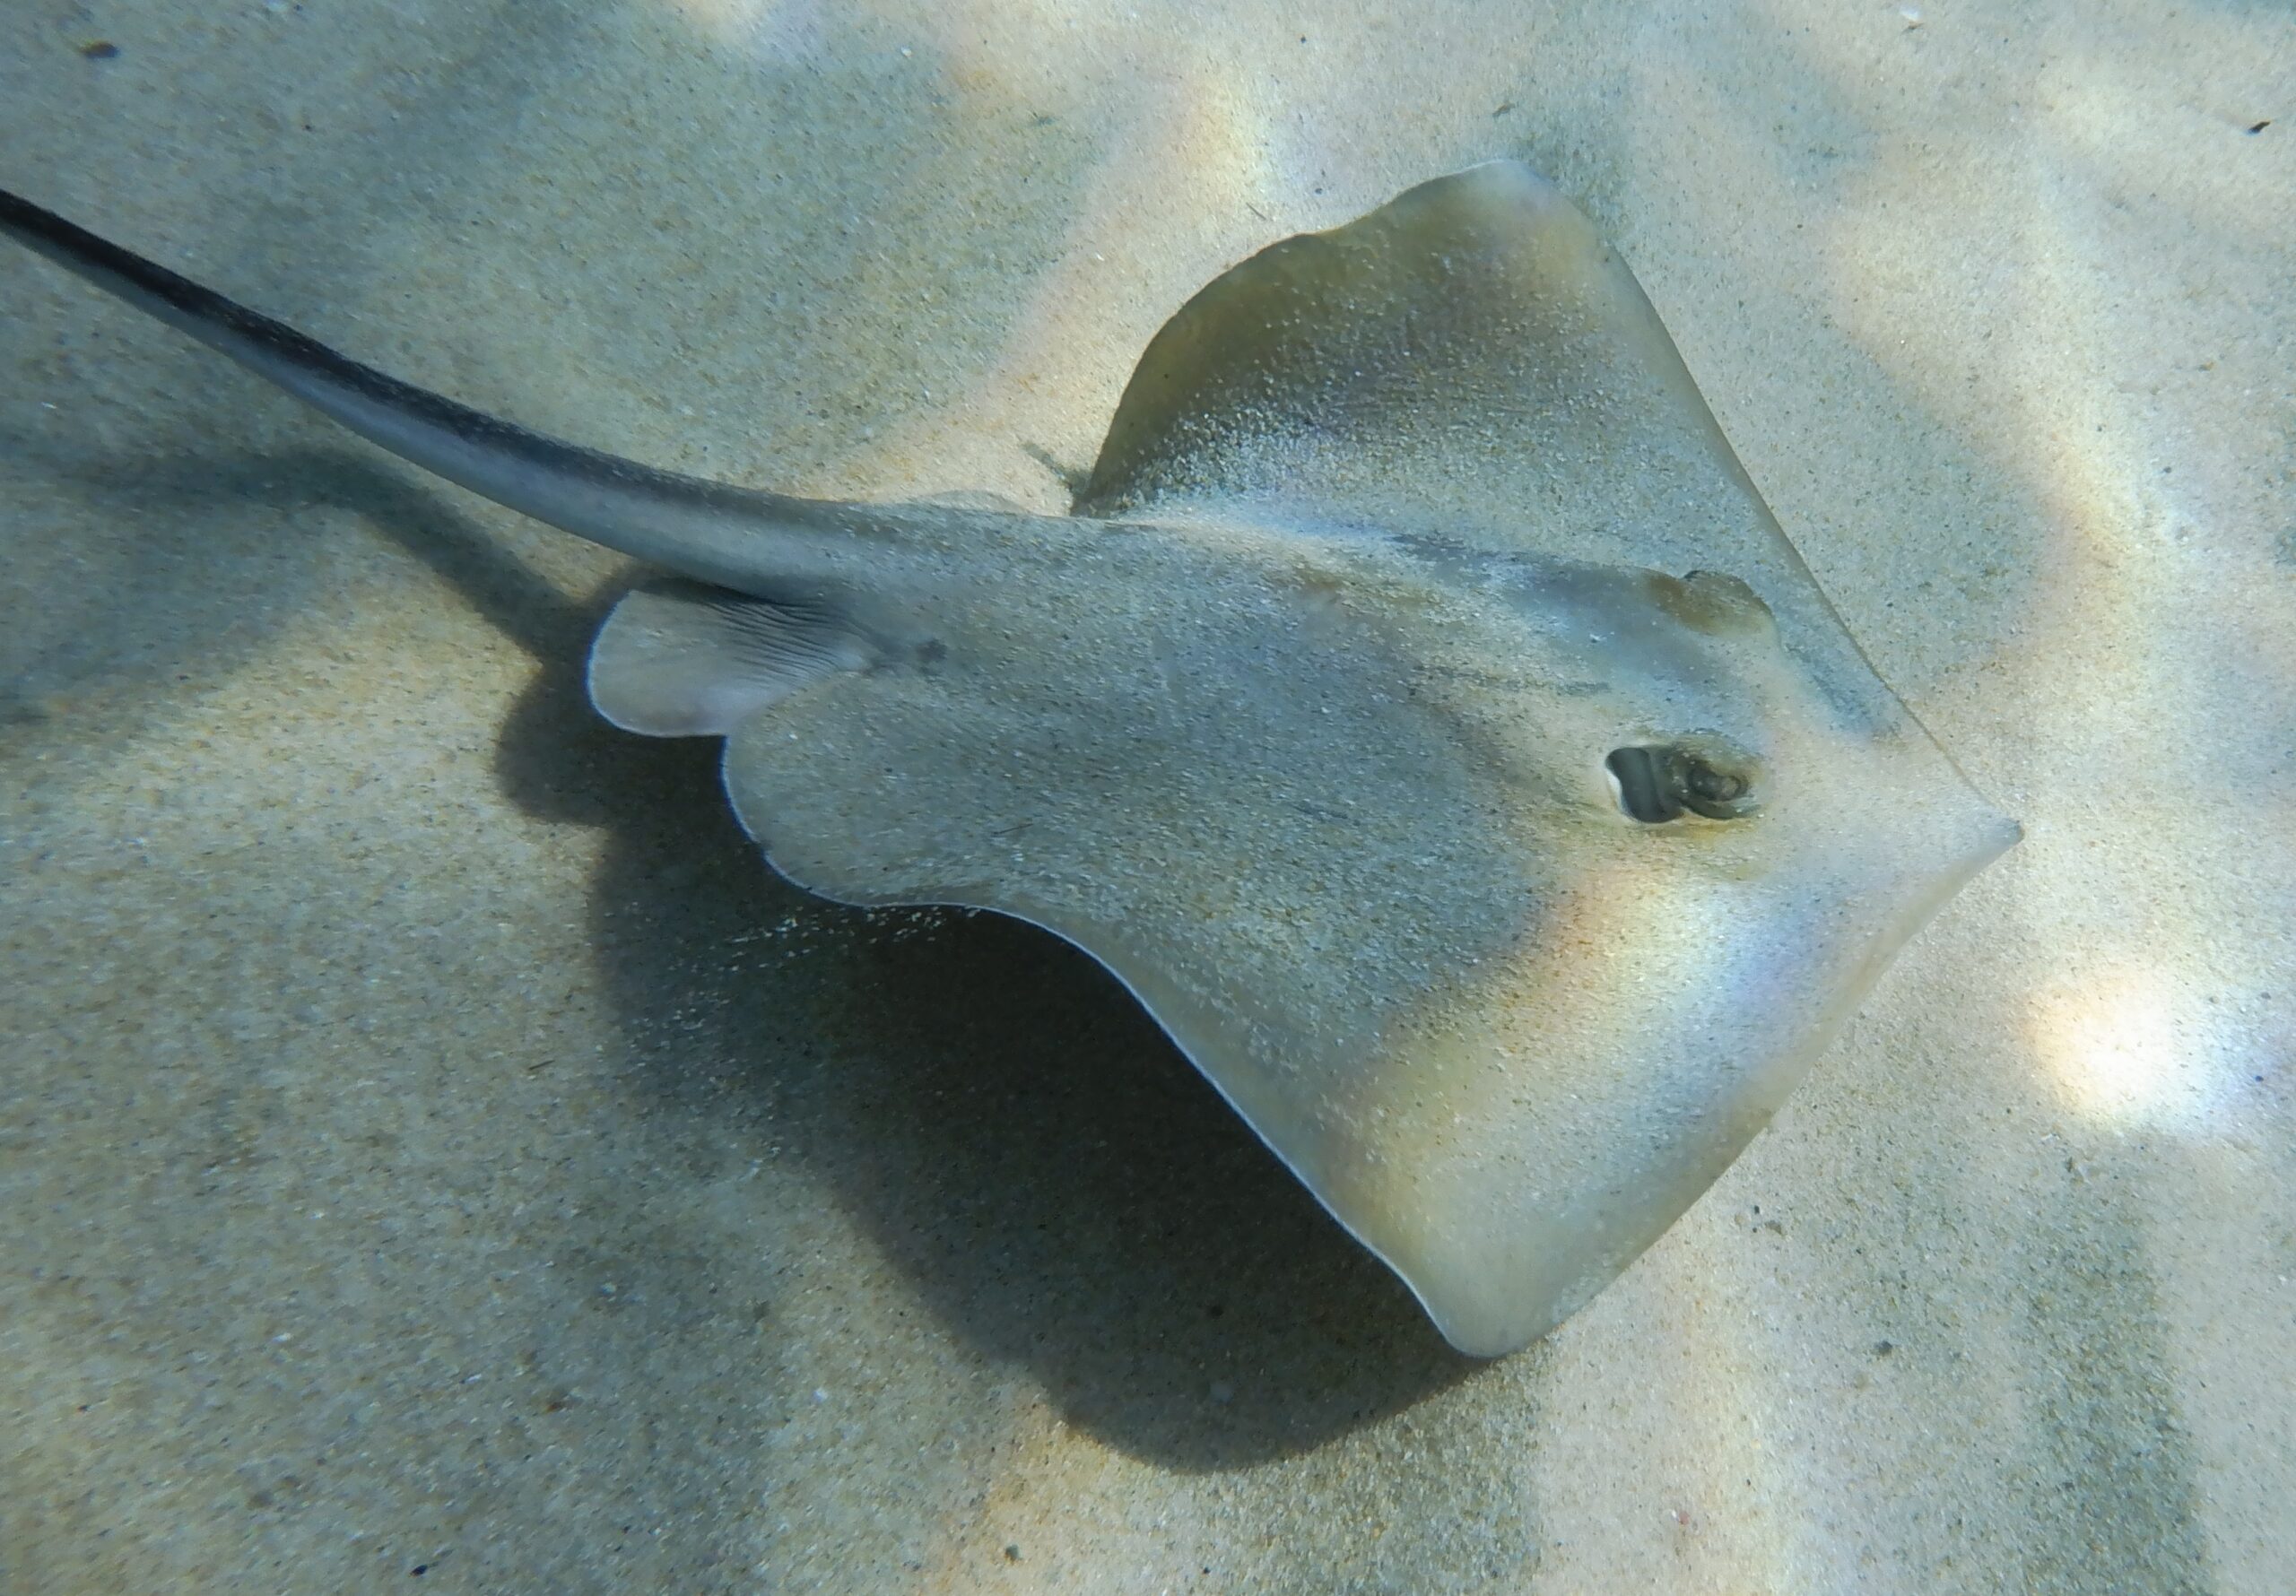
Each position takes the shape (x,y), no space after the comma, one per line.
(2119,1043)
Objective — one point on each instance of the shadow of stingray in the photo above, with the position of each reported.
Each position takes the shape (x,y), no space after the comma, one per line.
(1059,1185)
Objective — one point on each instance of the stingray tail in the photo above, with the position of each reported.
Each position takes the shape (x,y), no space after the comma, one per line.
(736,537)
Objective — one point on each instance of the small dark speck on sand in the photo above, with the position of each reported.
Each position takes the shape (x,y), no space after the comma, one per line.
(1011,1553)
(1884,1348)
(2260,127)
(103,49)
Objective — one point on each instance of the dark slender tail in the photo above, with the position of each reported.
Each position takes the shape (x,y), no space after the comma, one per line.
(736,537)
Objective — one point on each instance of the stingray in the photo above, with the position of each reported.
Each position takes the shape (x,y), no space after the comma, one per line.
(1420,712)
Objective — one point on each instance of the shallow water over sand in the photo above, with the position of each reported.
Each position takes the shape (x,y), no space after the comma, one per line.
(428,1140)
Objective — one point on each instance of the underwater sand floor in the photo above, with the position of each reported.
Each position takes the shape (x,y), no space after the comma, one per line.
(428,1140)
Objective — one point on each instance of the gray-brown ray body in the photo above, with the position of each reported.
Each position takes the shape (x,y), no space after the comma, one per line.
(1422,714)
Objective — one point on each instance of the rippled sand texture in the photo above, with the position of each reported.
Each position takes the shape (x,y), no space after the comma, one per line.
(429,1142)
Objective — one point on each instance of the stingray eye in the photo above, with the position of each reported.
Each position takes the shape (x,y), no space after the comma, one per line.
(1662,782)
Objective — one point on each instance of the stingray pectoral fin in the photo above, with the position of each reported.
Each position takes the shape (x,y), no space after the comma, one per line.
(1351,840)
(1471,356)
(1515,1139)
(684,659)
(1505,1059)
(1472,362)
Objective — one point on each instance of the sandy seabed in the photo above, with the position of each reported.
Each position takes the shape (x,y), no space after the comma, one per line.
(432,1147)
